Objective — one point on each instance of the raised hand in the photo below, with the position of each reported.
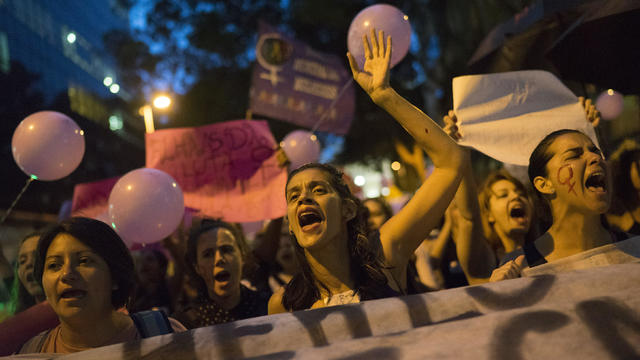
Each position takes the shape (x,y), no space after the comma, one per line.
(451,125)
(590,111)
(375,76)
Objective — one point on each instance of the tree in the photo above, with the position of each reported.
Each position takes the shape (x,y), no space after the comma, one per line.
(212,42)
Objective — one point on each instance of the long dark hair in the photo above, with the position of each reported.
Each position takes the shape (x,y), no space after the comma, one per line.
(104,241)
(365,264)
(191,256)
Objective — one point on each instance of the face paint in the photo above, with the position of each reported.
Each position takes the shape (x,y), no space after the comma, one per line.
(565,177)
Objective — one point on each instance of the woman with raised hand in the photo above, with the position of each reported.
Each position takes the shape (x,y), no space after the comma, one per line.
(499,218)
(328,224)
(87,275)
(492,223)
(570,174)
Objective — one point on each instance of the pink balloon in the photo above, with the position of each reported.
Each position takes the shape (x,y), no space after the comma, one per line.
(145,206)
(610,104)
(48,145)
(301,147)
(381,17)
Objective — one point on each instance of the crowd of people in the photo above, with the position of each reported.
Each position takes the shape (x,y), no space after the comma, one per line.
(331,248)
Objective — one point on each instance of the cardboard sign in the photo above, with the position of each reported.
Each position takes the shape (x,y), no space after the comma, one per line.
(91,199)
(226,170)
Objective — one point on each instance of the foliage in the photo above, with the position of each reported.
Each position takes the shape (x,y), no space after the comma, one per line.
(212,43)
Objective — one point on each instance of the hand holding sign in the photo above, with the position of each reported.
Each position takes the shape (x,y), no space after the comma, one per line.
(145,206)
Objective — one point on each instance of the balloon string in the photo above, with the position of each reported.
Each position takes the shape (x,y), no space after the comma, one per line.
(333,103)
(29,181)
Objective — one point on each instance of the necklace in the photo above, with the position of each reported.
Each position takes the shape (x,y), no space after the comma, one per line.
(347,297)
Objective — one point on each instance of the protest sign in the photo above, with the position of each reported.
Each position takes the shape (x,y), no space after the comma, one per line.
(506,115)
(294,83)
(92,199)
(226,170)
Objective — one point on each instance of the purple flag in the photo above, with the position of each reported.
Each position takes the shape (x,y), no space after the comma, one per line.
(294,83)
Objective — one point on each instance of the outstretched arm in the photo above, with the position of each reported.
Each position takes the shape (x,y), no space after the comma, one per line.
(404,232)
(476,257)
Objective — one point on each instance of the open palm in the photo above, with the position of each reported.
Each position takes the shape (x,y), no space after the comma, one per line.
(376,64)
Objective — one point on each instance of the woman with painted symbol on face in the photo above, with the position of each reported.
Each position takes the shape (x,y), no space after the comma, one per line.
(216,255)
(570,174)
(328,224)
(86,272)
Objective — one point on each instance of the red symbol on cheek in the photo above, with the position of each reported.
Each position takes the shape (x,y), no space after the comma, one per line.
(568,179)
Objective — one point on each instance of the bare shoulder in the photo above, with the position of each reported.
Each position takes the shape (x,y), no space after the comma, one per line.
(275,302)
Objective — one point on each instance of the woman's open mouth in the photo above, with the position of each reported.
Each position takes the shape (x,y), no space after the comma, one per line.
(73,294)
(518,213)
(309,219)
(596,182)
(222,276)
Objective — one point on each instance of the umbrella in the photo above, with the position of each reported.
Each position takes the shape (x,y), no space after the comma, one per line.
(591,41)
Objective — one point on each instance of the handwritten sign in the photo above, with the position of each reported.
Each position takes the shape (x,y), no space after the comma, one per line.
(226,170)
(91,199)
(294,83)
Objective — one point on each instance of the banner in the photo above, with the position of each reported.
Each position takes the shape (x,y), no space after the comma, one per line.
(294,83)
(226,170)
(91,199)
(506,115)
(586,314)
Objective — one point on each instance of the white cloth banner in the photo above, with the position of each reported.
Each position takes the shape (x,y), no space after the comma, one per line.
(506,115)
(560,313)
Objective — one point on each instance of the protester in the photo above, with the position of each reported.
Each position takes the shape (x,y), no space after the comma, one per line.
(215,258)
(379,212)
(569,172)
(86,272)
(423,270)
(151,290)
(286,266)
(26,291)
(328,223)
(498,220)
(624,214)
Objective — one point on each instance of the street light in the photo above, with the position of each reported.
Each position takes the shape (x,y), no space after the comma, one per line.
(160,102)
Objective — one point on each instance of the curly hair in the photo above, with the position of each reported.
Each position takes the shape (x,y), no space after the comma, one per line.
(366,263)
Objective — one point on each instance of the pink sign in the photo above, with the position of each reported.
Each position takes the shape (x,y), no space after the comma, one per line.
(91,199)
(226,170)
